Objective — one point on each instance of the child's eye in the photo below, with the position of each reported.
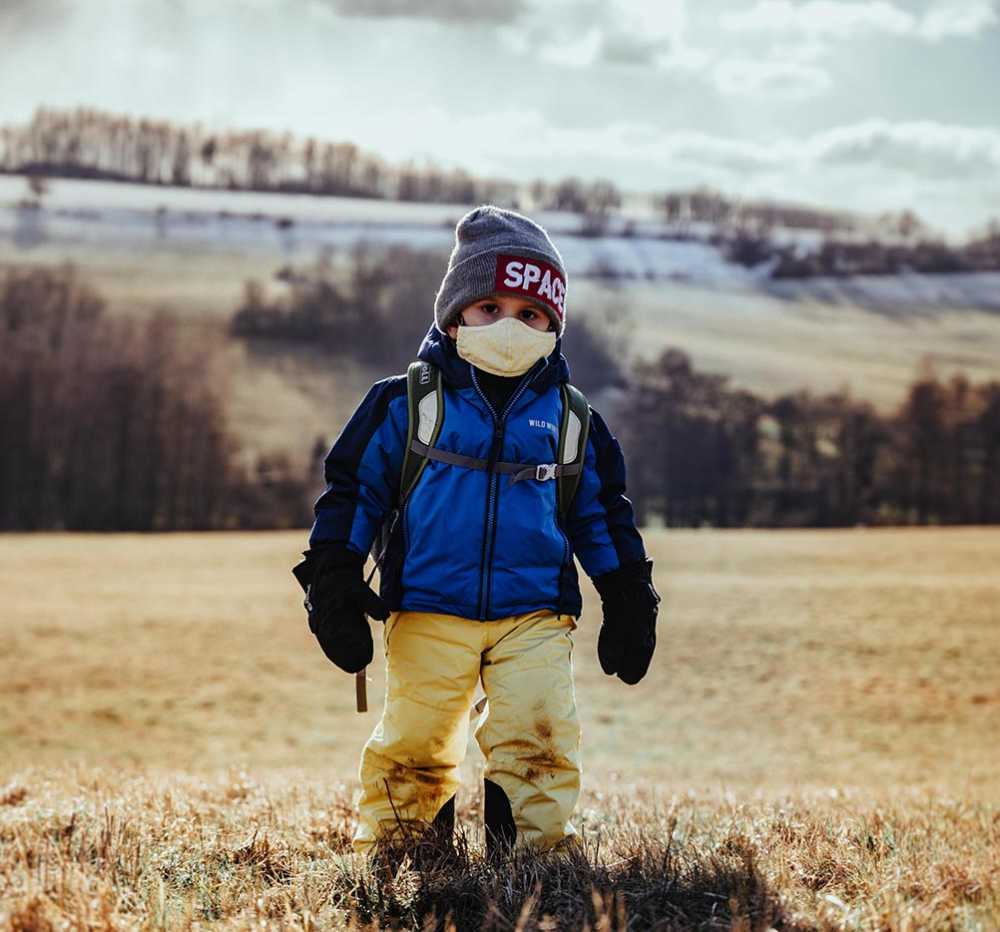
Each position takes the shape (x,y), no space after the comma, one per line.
(527,314)
(489,307)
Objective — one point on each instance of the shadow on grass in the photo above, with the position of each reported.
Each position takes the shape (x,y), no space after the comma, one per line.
(432,884)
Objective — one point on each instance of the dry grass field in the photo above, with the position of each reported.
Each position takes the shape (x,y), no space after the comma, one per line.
(817,745)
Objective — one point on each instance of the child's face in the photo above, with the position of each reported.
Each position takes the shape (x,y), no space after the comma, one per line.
(495,307)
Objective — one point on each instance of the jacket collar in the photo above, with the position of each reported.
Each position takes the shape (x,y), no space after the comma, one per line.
(438,348)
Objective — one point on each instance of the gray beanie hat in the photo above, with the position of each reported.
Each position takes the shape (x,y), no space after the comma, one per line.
(499,251)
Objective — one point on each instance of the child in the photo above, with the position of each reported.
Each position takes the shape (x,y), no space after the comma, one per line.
(478,582)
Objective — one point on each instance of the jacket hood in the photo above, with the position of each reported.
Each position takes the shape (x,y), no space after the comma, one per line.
(438,348)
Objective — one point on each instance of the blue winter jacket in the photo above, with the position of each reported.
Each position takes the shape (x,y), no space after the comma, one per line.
(469,542)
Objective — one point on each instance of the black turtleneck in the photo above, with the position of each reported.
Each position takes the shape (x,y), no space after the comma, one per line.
(497,388)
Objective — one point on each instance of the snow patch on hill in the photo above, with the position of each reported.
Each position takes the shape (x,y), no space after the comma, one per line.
(296,227)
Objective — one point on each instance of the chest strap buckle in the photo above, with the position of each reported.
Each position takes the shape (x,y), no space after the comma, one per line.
(545,471)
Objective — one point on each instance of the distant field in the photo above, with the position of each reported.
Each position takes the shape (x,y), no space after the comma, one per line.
(786,659)
(814,746)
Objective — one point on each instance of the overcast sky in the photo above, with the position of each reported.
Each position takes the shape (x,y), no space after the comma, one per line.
(871,105)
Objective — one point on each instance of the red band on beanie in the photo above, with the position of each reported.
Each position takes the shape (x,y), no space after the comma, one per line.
(534,278)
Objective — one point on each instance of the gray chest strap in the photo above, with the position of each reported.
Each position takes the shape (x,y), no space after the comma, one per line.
(517,471)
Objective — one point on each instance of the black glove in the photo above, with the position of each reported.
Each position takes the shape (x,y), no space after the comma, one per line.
(628,635)
(337,600)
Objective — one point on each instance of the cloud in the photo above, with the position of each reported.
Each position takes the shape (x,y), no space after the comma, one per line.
(622,48)
(923,147)
(619,48)
(937,152)
(957,19)
(806,51)
(18,17)
(664,20)
(787,80)
(575,53)
(612,32)
(846,19)
(453,12)
(839,19)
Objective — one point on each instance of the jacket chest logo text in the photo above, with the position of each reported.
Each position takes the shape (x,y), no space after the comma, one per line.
(534,278)
(545,425)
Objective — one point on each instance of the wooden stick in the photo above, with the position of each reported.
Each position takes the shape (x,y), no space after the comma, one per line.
(361,690)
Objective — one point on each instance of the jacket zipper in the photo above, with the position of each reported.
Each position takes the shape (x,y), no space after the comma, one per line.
(499,424)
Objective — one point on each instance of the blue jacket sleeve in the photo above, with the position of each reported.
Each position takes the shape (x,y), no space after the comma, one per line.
(600,523)
(362,469)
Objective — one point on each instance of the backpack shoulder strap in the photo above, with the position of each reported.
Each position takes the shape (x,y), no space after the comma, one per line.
(574,429)
(425,403)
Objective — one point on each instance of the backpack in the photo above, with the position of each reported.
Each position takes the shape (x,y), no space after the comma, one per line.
(425,401)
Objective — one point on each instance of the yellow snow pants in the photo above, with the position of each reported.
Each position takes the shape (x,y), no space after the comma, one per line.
(529,732)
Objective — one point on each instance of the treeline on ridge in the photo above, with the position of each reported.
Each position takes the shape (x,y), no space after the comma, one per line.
(707,454)
(840,257)
(90,143)
(116,424)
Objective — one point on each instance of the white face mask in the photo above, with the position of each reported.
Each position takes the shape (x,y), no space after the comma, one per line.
(507,347)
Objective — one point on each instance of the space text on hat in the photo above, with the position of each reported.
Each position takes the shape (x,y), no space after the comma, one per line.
(533,277)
